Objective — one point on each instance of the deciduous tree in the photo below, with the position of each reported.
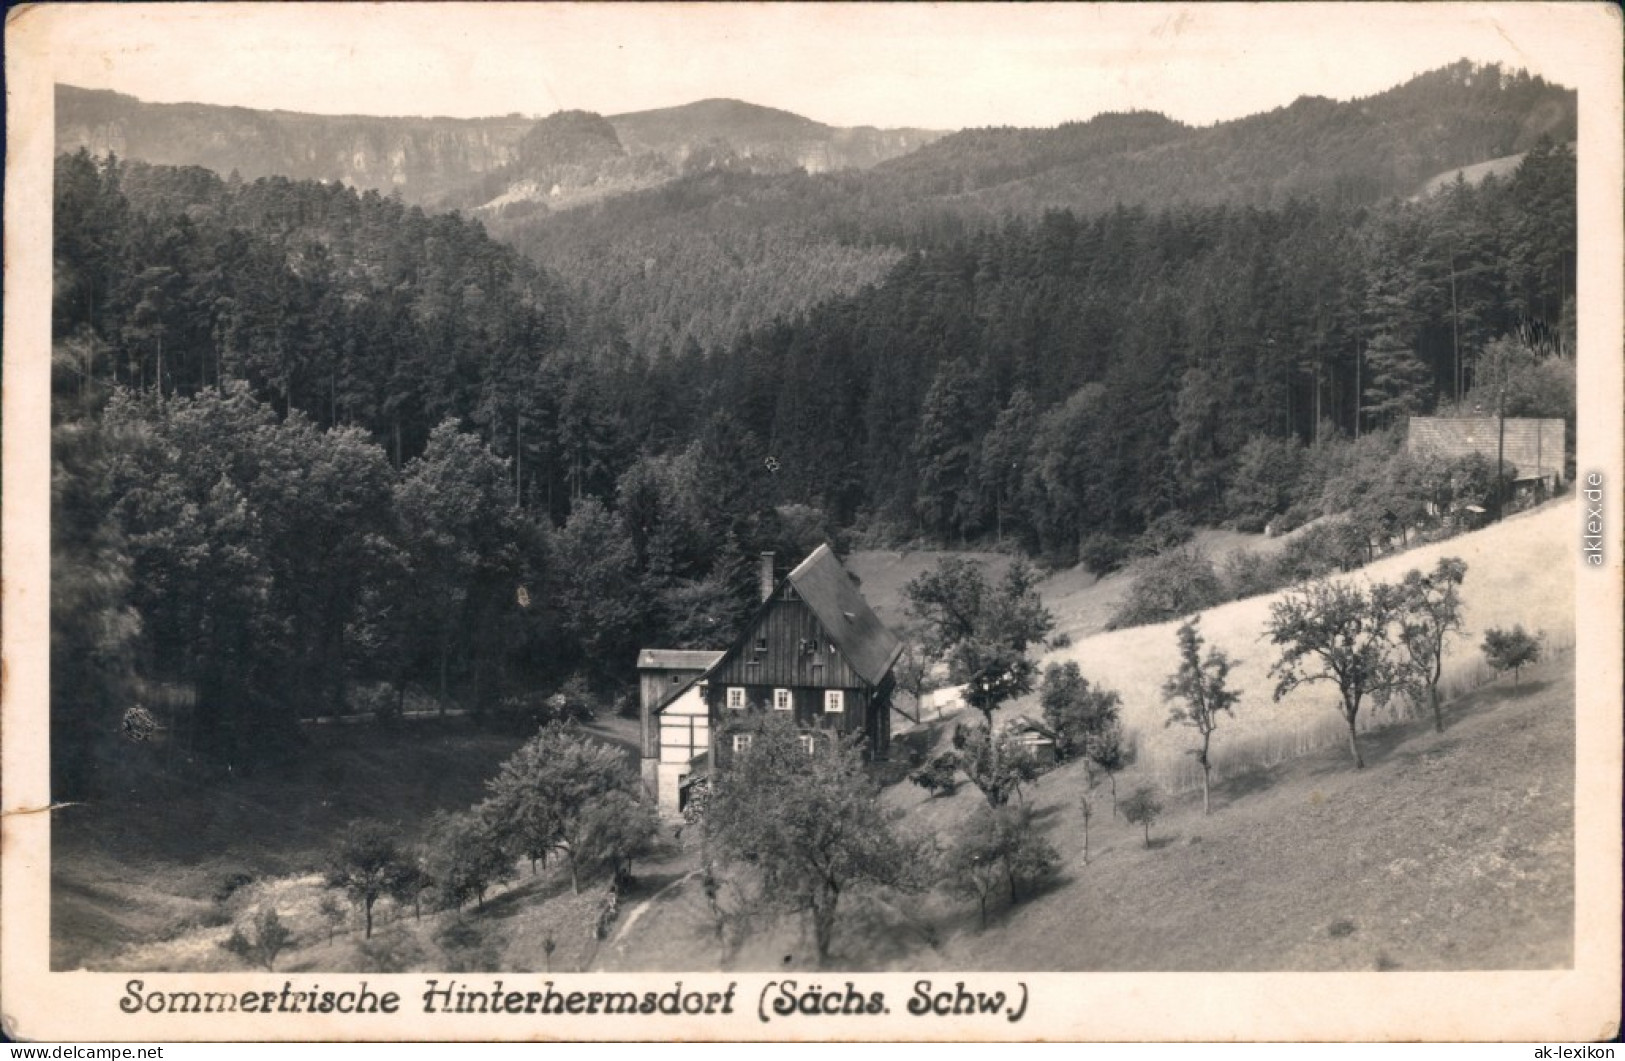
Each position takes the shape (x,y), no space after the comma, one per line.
(556,793)
(466,857)
(1430,614)
(1078,713)
(811,826)
(364,863)
(1143,809)
(1339,633)
(984,631)
(1510,650)
(1198,691)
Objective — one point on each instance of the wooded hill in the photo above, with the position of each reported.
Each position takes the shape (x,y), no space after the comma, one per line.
(721,251)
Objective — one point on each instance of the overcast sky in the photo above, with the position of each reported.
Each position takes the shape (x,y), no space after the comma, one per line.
(930,65)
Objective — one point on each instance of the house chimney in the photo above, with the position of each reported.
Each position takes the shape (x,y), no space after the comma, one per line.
(766,576)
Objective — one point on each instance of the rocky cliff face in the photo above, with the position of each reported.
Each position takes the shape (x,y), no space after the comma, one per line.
(482,163)
(423,157)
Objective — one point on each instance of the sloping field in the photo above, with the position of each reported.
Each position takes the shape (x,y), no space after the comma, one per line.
(1449,851)
(1082,603)
(1518,571)
(1474,174)
(882,574)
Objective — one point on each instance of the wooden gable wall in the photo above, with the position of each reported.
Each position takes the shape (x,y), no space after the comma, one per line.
(785,627)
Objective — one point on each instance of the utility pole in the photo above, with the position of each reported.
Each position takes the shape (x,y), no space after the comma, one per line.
(1500,447)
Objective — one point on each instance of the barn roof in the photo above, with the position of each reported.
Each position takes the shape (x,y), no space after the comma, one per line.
(1027,724)
(1532,448)
(869,647)
(677,658)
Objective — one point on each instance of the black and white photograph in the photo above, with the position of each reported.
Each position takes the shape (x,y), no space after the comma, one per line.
(812,520)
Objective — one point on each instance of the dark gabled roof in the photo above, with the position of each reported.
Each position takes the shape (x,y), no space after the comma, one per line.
(677,658)
(858,633)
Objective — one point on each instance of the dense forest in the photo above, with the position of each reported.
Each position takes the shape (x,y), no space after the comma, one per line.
(316,451)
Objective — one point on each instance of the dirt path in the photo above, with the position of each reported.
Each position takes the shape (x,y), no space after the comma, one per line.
(638,910)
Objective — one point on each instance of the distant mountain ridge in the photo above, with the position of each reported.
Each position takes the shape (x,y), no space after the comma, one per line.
(469,162)
(717,253)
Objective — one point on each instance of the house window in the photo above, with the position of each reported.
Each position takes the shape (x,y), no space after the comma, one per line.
(736,698)
(818,673)
(834,701)
(741,741)
(675,678)
(761,644)
(781,700)
(806,740)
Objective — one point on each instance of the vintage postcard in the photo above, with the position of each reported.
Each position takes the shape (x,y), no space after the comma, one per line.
(812,522)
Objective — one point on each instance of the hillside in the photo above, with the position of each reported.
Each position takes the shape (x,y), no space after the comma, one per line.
(1342,153)
(1081,601)
(1450,851)
(1136,661)
(1354,151)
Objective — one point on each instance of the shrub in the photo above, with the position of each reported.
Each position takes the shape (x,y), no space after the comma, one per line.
(333,913)
(1335,545)
(940,776)
(230,885)
(1102,554)
(1296,515)
(1171,586)
(267,937)
(392,952)
(380,700)
(1165,533)
(1245,573)
(1000,846)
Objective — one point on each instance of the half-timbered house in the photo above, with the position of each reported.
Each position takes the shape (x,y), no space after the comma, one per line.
(813,652)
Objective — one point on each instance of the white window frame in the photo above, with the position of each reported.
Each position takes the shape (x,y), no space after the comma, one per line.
(807,741)
(783,700)
(741,742)
(834,701)
(736,698)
